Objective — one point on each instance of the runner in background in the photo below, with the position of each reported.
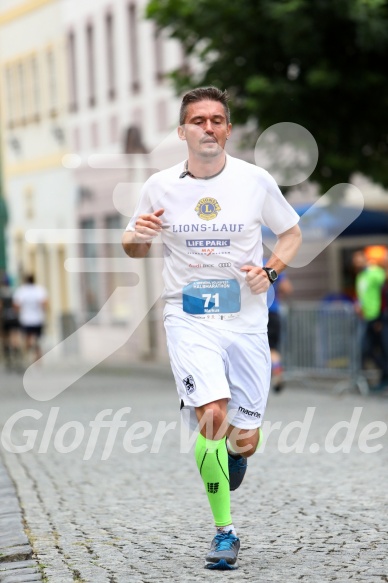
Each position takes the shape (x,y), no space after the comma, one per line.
(281,289)
(30,301)
(370,278)
(9,325)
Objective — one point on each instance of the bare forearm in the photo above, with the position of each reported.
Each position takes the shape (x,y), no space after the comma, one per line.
(133,248)
(285,249)
(137,243)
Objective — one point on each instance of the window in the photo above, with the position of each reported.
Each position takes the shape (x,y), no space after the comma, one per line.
(76,139)
(114,253)
(52,83)
(90,281)
(29,205)
(64,297)
(91,65)
(162,117)
(72,71)
(113,129)
(94,141)
(44,250)
(133,47)
(114,248)
(31,260)
(35,92)
(158,51)
(28,91)
(22,93)
(21,89)
(9,94)
(110,56)
(185,66)
(15,94)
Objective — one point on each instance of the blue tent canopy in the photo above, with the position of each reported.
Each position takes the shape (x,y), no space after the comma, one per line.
(326,222)
(369,222)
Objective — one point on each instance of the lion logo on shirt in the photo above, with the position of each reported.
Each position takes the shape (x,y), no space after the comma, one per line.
(207,208)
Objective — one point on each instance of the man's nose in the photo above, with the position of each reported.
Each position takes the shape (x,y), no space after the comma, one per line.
(208,126)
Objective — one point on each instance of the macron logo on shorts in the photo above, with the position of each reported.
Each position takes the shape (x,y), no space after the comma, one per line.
(189,384)
(250,413)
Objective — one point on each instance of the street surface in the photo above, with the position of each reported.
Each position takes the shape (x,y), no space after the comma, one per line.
(141,515)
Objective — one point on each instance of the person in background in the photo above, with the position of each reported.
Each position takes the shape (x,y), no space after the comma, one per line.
(9,324)
(369,282)
(281,289)
(31,301)
(382,386)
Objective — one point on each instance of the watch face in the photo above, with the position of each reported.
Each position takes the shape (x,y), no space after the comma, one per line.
(272,275)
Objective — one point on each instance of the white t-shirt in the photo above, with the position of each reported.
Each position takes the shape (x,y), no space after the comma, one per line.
(211,228)
(30,299)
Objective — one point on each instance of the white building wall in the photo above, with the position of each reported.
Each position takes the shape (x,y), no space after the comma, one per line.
(154,109)
(129,106)
(40,192)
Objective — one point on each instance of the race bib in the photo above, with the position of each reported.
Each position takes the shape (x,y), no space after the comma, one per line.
(212,298)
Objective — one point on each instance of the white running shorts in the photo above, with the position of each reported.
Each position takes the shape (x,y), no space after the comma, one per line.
(210,364)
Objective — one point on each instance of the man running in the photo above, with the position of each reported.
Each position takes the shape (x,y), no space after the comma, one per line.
(208,212)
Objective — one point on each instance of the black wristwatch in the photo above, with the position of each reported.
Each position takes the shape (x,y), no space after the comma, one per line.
(272,275)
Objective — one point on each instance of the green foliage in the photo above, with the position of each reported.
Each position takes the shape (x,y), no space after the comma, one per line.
(319,63)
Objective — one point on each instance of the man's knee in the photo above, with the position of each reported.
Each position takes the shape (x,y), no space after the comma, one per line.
(212,419)
(244,441)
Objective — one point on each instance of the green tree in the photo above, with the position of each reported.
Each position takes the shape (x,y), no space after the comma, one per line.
(319,63)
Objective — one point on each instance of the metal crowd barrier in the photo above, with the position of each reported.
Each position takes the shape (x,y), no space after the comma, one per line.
(322,341)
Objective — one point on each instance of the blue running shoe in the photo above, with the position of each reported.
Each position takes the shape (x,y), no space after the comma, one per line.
(237,468)
(223,552)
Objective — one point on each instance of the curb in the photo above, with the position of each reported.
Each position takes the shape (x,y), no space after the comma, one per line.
(16,554)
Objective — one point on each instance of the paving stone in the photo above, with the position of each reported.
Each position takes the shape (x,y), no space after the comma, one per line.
(21,578)
(12,539)
(18,565)
(15,553)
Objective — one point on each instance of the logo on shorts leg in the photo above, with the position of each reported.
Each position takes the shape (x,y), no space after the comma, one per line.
(250,413)
(189,384)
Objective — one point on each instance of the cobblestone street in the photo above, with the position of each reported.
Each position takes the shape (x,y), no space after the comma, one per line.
(141,514)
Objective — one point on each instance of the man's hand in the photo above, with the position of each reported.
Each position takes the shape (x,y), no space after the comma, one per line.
(256,279)
(137,243)
(284,251)
(147,227)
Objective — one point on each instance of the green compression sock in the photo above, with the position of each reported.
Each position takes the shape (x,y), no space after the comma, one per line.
(261,436)
(212,461)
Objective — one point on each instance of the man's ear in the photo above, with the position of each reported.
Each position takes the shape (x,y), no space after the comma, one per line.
(229,130)
(181,133)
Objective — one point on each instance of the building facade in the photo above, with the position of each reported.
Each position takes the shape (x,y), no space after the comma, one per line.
(39,191)
(82,82)
(121,111)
